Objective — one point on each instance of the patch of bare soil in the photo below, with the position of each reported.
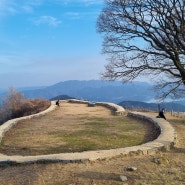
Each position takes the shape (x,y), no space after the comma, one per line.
(164,168)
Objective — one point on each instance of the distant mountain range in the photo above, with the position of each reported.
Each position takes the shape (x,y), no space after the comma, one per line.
(61,97)
(129,95)
(95,90)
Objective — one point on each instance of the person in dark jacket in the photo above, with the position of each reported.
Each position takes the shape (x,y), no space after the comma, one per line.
(58,103)
(161,113)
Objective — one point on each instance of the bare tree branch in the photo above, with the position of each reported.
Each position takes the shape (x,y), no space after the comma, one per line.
(145,38)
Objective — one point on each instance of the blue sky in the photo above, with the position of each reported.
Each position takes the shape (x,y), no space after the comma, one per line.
(43,42)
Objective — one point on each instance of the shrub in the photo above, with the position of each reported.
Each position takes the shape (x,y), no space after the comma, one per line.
(34,106)
(16,105)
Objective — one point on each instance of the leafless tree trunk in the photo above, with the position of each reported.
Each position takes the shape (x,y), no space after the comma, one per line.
(145,39)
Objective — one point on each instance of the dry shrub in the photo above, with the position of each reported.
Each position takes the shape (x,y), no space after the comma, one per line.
(12,103)
(34,106)
(16,105)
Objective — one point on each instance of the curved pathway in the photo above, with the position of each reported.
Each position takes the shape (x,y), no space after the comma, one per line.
(165,141)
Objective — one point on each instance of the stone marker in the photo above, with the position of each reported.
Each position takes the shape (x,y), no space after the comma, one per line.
(123,178)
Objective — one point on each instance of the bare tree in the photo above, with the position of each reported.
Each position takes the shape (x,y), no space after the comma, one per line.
(145,38)
(12,103)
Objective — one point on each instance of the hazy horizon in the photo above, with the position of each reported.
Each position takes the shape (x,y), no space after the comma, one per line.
(43,42)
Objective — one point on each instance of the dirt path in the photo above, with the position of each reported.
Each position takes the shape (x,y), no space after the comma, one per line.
(165,168)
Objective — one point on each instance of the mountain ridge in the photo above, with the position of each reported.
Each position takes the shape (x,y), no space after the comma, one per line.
(95,90)
(100,91)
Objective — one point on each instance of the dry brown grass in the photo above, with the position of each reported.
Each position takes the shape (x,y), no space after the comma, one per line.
(169,171)
(74,128)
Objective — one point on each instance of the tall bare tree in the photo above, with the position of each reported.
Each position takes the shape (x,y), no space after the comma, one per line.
(145,38)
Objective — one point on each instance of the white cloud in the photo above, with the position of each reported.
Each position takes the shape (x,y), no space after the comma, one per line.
(7,7)
(74,15)
(89,2)
(27,8)
(85,2)
(48,20)
(11,7)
